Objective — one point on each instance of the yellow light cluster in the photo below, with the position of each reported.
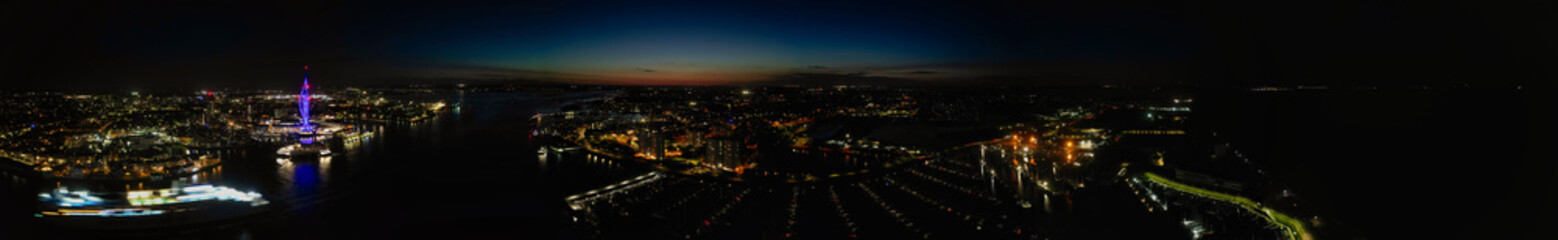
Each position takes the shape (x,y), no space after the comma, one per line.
(145,197)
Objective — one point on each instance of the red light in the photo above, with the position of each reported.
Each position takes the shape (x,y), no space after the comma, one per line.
(305,67)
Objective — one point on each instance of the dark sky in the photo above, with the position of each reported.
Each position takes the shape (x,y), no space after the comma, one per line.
(210,44)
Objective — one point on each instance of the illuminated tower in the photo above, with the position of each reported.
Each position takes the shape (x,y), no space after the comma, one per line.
(306,134)
(303,101)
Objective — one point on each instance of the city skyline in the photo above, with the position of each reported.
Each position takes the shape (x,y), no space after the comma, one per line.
(776,120)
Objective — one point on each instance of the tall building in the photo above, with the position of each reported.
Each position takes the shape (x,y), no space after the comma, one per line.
(651,145)
(695,138)
(723,153)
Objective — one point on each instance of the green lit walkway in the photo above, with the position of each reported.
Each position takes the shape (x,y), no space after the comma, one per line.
(1293,227)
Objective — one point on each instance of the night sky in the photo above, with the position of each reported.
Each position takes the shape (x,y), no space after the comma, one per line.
(216,44)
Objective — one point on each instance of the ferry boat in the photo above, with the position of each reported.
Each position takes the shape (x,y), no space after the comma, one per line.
(82,209)
(303,150)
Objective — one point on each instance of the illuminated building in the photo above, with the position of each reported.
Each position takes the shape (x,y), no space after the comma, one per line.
(651,145)
(306,134)
(695,138)
(723,153)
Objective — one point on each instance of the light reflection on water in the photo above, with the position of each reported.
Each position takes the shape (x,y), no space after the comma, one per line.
(303,176)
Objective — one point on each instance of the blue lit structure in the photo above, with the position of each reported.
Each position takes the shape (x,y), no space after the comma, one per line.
(303,100)
(309,137)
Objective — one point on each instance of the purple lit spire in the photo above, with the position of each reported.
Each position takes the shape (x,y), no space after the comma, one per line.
(303,101)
